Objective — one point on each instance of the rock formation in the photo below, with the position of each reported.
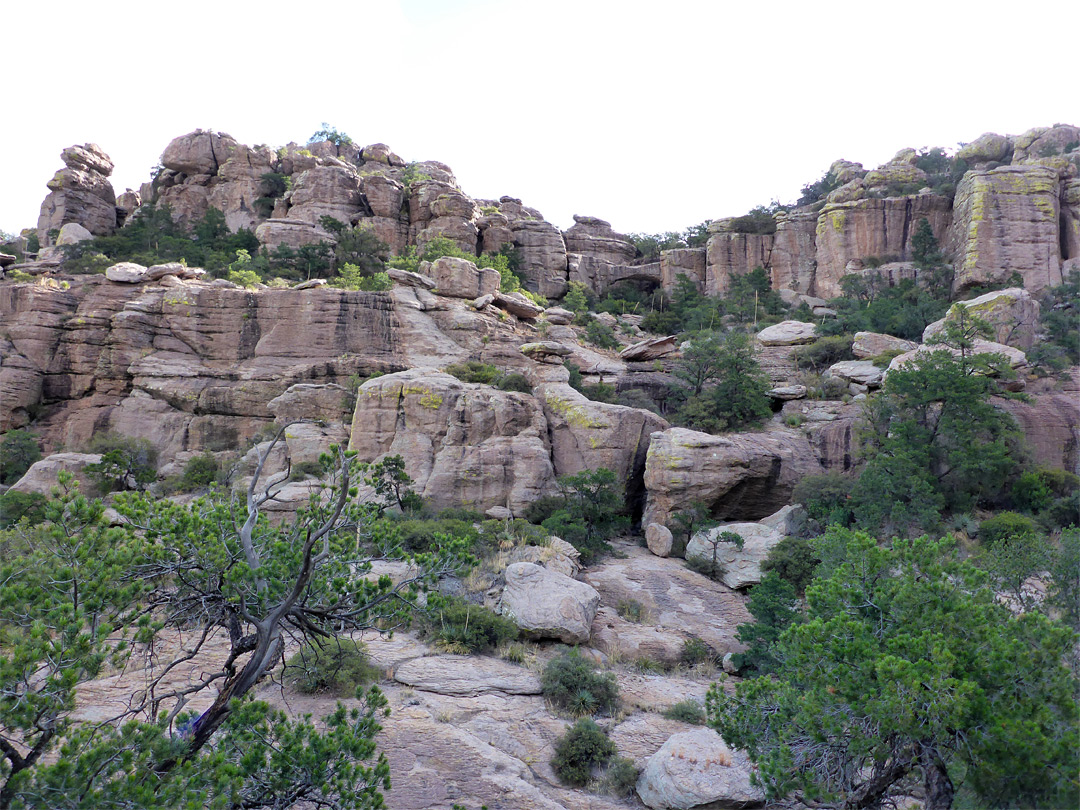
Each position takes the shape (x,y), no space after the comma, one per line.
(80,193)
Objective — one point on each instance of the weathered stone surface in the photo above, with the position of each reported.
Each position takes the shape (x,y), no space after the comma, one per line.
(986,148)
(291,232)
(742,567)
(868,345)
(650,349)
(462,443)
(689,262)
(1015,357)
(594,237)
(738,476)
(633,641)
(544,350)
(198,152)
(460,278)
(543,254)
(676,600)
(659,540)
(80,193)
(558,316)
(853,231)
(1005,221)
(863,372)
(1044,143)
(788,333)
(733,254)
(1012,314)
(43,475)
(73,233)
(332,191)
(466,675)
(126,273)
(697,769)
(546,604)
(588,435)
(1050,422)
(793,260)
(786,392)
(517,304)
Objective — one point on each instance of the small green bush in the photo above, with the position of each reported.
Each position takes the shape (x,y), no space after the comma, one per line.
(14,506)
(637,398)
(1003,525)
(473,371)
(514,382)
(686,711)
(572,684)
(305,469)
(695,651)
(245,278)
(826,497)
(600,392)
(823,352)
(18,452)
(631,609)
(794,560)
(126,462)
(201,471)
(336,667)
(601,335)
(419,535)
(461,627)
(581,749)
(620,778)
(1030,492)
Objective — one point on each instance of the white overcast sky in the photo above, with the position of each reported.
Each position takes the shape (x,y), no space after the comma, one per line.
(652,115)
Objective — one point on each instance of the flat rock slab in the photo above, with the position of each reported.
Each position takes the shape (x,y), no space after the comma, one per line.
(466,675)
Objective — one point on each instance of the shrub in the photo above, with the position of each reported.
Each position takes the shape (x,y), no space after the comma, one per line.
(461,627)
(600,334)
(514,382)
(600,392)
(686,711)
(758,220)
(245,278)
(572,684)
(200,471)
(794,560)
(620,777)
(1006,524)
(305,469)
(592,512)
(473,371)
(823,352)
(581,749)
(126,462)
(631,609)
(418,535)
(18,452)
(337,666)
(14,506)
(826,497)
(695,651)
(1030,492)
(637,398)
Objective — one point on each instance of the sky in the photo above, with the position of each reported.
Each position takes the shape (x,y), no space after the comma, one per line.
(651,115)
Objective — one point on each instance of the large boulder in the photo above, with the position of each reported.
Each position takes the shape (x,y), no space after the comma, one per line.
(868,345)
(736,475)
(742,567)
(594,237)
(1012,314)
(460,278)
(788,333)
(462,443)
(543,255)
(43,475)
(466,676)
(126,273)
(332,191)
(862,372)
(697,769)
(589,435)
(198,152)
(547,604)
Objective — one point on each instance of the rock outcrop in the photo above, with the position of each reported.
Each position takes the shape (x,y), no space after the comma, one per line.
(697,769)
(462,443)
(80,193)
(737,476)
(546,604)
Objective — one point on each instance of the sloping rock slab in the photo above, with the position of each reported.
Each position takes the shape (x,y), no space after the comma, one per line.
(466,675)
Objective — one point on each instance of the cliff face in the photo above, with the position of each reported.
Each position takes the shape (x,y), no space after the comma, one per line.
(1016,209)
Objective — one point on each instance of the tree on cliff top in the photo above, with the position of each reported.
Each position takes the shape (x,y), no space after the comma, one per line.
(80,596)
